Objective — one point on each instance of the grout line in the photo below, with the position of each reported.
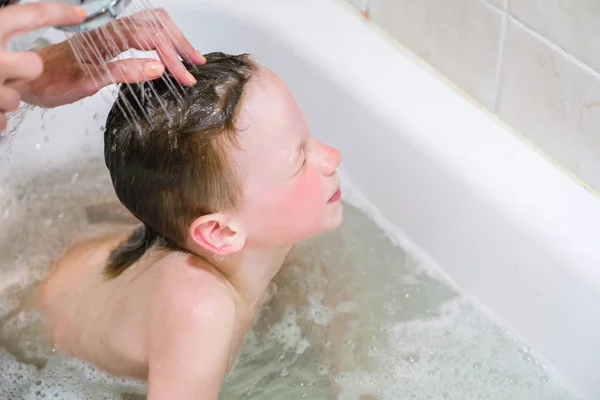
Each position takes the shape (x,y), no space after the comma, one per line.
(554,46)
(499,62)
(495,6)
(444,79)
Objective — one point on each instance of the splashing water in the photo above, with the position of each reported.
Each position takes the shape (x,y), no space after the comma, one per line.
(118,40)
(98,50)
(352,315)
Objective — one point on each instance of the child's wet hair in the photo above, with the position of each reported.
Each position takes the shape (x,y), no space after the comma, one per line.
(174,168)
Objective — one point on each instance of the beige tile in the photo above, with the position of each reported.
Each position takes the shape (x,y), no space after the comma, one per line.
(553,99)
(501,4)
(572,24)
(461,38)
(360,4)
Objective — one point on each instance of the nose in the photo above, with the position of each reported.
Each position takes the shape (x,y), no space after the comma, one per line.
(330,159)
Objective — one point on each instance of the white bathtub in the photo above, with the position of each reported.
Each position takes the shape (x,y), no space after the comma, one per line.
(500,219)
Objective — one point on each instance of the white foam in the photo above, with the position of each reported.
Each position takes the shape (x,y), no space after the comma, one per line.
(458,355)
(404,328)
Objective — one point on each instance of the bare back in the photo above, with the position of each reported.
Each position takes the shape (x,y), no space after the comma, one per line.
(101,320)
(141,318)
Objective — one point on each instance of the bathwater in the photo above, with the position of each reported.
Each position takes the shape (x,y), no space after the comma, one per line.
(353,314)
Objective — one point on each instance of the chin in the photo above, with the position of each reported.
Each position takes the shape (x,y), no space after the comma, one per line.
(331,220)
(334,218)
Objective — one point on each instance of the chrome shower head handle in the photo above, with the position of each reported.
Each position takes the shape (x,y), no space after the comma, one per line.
(99,12)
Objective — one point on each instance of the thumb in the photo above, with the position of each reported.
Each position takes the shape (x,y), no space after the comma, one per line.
(131,71)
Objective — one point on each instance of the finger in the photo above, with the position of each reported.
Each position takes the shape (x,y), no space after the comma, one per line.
(20,65)
(184,47)
(23,18)
(132,70)
(145,39)
(2,121)
(124,71)
(169,57)
(9,99)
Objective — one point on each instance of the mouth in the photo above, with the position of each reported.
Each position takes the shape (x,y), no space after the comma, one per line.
(336,196)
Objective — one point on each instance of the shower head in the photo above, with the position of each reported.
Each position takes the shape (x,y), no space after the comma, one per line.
(99,12)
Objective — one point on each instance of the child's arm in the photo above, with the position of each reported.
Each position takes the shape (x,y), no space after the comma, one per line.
(191,339)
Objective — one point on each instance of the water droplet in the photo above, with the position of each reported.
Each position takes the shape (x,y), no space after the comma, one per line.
(477,365)
(75,177)
(544,379)
(407,295)
(323,370)
(412,358)
(96,117)
(38,146)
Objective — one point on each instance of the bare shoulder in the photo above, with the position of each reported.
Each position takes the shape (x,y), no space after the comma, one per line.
(93,249)
(190,358)
(185,289)
(78,260)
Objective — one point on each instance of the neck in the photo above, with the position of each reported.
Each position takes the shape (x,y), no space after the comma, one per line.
(251,270)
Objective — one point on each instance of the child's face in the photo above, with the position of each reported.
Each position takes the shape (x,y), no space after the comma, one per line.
(291,189)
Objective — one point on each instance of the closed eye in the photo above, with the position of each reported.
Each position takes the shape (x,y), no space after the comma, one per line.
(302,151)
(301,165)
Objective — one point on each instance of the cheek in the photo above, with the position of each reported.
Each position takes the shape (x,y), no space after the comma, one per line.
(306,193)
(294,213)
(306,189)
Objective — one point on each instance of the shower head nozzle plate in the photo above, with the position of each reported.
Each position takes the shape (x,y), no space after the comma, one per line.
(99,12)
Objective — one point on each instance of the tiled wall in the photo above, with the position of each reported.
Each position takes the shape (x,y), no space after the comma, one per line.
(535,63)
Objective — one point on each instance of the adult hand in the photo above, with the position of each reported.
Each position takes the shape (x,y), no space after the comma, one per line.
(68,77)
(18,66)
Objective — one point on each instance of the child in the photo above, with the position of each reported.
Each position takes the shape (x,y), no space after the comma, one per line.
(225,179)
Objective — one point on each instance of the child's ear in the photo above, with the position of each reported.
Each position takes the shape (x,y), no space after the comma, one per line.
(217,234)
